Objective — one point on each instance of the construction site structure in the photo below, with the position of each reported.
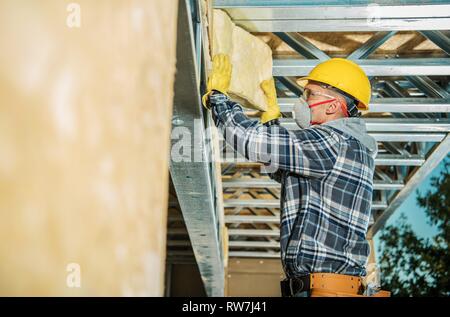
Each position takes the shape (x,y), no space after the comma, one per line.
(225,220)
(96,97)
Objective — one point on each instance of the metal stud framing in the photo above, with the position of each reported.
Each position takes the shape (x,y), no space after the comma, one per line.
(409,118)
(409,109)
(192,180)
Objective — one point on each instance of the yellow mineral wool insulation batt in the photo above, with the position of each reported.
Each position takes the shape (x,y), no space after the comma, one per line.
(251,59)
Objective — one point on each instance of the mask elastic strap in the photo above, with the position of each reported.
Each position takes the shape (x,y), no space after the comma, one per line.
(318,104)
(321,103)
(344,109)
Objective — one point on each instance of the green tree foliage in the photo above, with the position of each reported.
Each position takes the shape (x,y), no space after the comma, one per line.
(414,266)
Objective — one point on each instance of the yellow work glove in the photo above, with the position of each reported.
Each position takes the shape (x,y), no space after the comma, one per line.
(219,78)
(273,110)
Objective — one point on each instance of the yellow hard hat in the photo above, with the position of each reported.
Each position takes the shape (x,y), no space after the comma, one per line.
(345,75)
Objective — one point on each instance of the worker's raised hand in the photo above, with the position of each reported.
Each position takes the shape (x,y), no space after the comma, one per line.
(273,110)
(220,76)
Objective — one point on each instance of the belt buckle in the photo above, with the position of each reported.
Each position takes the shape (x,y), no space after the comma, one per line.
(301,284)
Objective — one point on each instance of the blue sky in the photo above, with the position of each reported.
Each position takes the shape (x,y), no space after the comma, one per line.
(415,214)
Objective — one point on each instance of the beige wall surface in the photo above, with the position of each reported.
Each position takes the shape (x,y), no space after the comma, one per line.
(85,104)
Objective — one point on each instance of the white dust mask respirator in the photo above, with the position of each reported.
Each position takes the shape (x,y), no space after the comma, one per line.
(302,112)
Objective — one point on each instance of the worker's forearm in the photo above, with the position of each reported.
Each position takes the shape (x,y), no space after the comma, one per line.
(232,122)
(223,108)
(246,136)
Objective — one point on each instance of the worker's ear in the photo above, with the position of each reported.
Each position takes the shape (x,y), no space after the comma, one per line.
(333,107)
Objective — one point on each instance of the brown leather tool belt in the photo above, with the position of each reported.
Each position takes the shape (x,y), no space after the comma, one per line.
(345,285)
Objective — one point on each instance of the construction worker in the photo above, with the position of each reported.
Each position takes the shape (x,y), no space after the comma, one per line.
(325,169)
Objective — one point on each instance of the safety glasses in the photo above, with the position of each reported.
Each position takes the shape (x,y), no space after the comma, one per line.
(308,93)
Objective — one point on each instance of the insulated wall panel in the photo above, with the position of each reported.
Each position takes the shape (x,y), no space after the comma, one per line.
(86,95)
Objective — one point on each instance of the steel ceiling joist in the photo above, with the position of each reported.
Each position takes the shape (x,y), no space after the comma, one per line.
(334,16)
(192,180)
(381,159)
(251,219)
(407,125)
(273,203)
(302,45)
(372,67)
(392,105)
(393,125)
(428,86)
(438,38)
(254,232)
(371,45)
(291,85)
(254,254)
(409,137)
(268,183)
(255,244)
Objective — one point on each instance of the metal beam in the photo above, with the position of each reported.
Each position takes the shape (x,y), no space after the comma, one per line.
(255,203)
(381,137)
(290,84)
(420,105)
(269,183)
(428,86)
(302,45)
(399,160)
(250,183)
(438,38)
(329,16)
(272,203)
(372,67)
(371,45)
(408,137)
(393,125)
(251,219)
(393,90)
(253,244)
(341,25)
(440,152)
(380,160)
(254,232)
(191,180)
(393,105)
(255,254)
(394,185)
(408,125)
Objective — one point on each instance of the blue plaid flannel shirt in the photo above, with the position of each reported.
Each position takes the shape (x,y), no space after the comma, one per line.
(326,181)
